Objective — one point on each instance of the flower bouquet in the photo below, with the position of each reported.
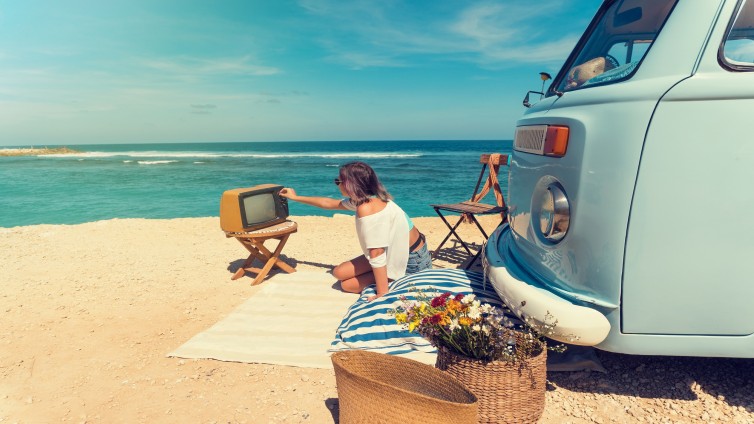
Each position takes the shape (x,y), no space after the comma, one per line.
(502,363)
(467,327)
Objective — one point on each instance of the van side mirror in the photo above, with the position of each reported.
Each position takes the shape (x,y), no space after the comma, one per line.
(526,99)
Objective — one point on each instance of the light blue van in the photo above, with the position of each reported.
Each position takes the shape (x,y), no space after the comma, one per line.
(631,186)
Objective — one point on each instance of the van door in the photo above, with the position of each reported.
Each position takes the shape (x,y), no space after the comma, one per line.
(689,248)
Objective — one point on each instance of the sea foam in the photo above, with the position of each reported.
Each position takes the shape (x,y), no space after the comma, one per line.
(155,162)
(188,154)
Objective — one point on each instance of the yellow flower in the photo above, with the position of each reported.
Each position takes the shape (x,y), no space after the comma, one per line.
(465,321)
(453,307)
(400,317)
(412,325)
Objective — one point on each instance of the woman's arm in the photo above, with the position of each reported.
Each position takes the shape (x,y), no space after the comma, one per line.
(380,274)
(377,255)
(320,202)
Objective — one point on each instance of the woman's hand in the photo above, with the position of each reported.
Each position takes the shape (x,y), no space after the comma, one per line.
(371,298)
(288,193)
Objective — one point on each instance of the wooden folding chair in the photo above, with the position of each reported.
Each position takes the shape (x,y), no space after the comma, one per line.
(254,241)
(470,208)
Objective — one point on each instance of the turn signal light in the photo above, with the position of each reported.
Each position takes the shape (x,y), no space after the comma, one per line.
(556,141)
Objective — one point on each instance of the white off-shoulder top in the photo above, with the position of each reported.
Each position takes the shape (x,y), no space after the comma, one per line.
(386,229)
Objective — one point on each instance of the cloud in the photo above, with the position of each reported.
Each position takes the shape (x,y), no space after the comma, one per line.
(482,24)
(197,67)
(361,60)
(515,32)
(489,33)
(271,98)
(202,109)
(291,93)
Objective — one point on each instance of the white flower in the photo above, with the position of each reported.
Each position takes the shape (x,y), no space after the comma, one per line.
(487,308)
(476,327)
(474,311)
(486,330)
(468,299)
(454,324)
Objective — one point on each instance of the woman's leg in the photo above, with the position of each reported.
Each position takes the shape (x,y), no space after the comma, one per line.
(354,275)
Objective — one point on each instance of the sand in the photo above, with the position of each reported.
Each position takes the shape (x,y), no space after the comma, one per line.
(32,151)
(90,311)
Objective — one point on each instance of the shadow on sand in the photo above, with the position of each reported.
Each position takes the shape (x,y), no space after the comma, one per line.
(665,377)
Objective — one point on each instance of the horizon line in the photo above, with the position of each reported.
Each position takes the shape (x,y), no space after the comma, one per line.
(41,146)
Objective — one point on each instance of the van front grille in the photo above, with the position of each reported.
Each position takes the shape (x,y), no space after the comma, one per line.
(530,139)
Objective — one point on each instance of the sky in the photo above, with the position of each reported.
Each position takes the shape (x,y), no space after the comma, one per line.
(148,71)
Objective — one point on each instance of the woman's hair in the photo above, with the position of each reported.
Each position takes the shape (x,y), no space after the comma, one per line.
(360,181)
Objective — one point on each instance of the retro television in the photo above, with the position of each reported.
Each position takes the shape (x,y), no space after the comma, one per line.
(252,208)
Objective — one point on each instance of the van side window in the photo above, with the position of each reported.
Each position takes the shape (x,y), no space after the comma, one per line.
(617,41)
(737,51)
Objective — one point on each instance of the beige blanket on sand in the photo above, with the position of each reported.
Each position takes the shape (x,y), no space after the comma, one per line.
(290,321)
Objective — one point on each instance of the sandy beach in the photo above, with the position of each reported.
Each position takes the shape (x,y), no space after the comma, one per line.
(40,151)
(90,312)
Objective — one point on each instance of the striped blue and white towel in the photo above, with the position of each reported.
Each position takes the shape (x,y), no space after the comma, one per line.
(370,326)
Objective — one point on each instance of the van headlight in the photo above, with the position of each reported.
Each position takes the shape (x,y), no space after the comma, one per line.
(552,213)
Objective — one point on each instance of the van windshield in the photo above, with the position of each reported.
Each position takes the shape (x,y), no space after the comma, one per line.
(615,45)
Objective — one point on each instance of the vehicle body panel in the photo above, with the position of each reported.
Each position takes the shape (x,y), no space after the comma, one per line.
(656,242)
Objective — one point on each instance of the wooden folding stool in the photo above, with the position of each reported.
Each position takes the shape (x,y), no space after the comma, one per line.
(253,241)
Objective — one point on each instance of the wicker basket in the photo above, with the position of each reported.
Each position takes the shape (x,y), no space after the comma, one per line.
(508,392)
(379,388)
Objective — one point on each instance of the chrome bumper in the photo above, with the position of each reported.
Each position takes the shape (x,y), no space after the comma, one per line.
(578,325)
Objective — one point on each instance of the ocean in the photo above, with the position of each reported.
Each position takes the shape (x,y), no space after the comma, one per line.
(187,179)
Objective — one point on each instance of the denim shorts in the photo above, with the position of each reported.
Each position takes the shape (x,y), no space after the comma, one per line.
(419,260)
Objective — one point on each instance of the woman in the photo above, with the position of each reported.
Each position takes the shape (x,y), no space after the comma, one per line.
(392,245)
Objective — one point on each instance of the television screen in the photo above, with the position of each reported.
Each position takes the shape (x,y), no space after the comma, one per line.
(259,208)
